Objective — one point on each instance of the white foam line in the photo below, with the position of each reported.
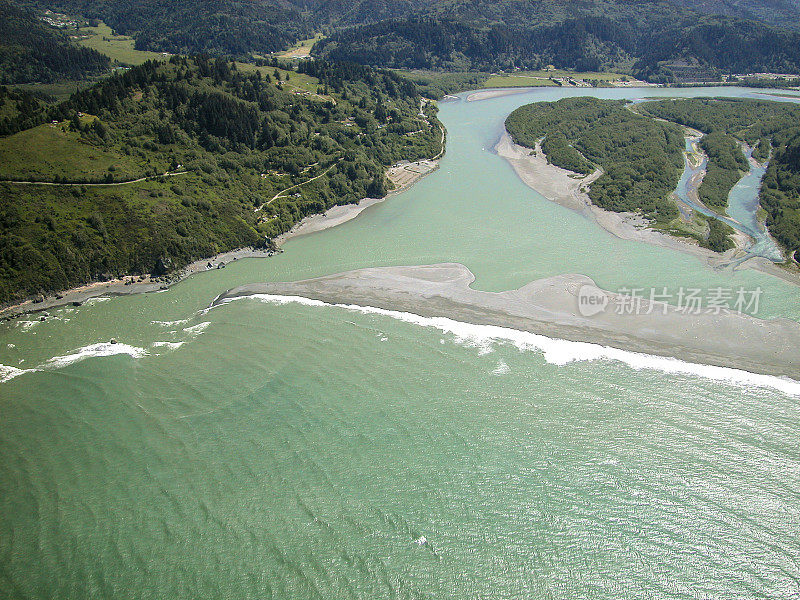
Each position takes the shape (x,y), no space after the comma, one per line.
(95,350)
(170,345)
(101,349)
(170,323)
(8,373)
(197,329)
(556,351)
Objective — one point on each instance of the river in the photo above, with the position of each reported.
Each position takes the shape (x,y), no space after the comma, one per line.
(743,203)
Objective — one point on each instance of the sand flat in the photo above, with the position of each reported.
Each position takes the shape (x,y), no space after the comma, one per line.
(497,93)
(550,307)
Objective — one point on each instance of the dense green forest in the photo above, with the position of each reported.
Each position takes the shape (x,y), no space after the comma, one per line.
(33,51)
(726,165)
(639,38)
(768,126)
(644,38)
(748,120)
(20,109)
(779,13)
(437,84)
(218,26)
(780,195)
(642,158)
(235,139)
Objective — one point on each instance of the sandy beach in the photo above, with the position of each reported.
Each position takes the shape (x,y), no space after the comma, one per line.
(403,176)
(496,93)
(570,190)
(130,284)
(550,307)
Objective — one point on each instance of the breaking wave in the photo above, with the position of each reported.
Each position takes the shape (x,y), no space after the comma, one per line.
(555,351)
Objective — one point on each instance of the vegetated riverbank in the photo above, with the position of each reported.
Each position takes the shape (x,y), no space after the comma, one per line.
(571,190)
(402,175)
(771,128)
(550,307)
(279,154)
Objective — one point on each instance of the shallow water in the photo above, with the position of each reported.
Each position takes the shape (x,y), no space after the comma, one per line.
(743,205)
(290,451)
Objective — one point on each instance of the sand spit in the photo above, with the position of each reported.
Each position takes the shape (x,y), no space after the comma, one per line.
(550,307)
(497,93)
(570,190)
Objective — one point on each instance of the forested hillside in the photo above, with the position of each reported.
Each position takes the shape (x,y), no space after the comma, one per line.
(20,109)
(33,51)
(641,37)
(218,26)
(629,39)
(231,142)
(780,195)
(779,13)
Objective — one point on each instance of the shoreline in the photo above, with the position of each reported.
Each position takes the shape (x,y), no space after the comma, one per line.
(551,307)
(563,187)
(404,176)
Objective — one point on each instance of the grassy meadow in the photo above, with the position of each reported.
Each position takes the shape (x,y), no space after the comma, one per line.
(52,152)
(118,48)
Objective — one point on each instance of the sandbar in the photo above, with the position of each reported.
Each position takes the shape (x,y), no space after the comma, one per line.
(550,307)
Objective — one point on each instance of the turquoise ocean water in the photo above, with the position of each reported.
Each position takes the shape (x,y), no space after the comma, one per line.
(267,450)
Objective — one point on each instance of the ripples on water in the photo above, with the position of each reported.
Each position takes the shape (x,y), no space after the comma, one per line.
(303,452)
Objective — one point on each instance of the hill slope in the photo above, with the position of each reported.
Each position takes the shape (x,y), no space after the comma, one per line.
(595,35)
(33,51)
(231,142)
(475,34)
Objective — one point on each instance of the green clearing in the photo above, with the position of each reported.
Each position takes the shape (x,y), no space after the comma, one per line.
(497,81)
(301,49)
(297,82)
(559,73)
(54,152)
(119,48)
(546,78)
(59,91)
